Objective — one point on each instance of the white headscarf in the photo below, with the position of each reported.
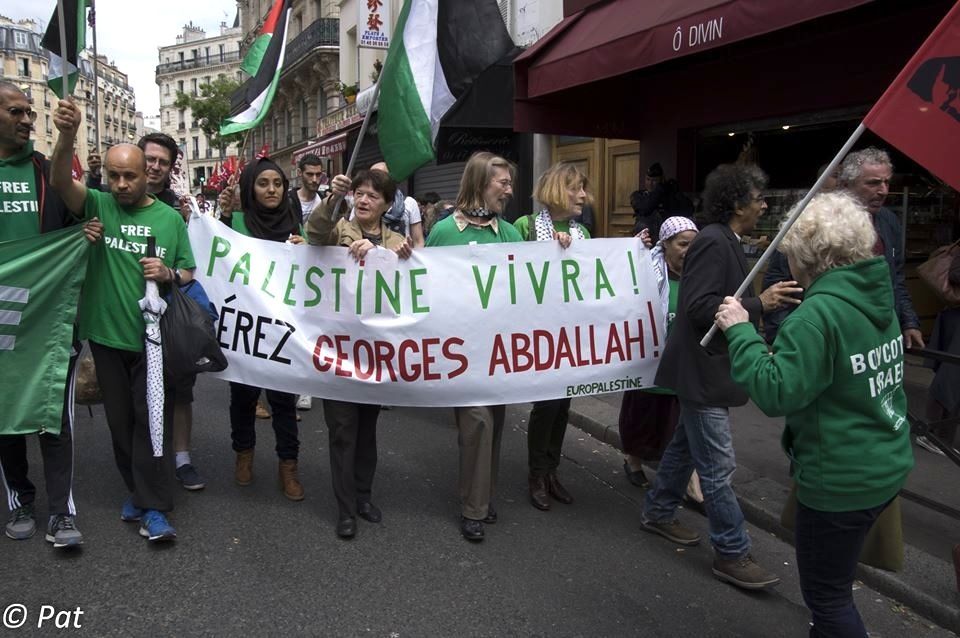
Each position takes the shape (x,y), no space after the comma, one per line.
(671,226)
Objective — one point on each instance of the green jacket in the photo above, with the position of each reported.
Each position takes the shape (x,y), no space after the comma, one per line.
(836,373)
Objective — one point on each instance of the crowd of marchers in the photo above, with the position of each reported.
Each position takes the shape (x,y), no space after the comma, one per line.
(835,291)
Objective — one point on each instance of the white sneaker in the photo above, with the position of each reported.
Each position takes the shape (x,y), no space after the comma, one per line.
(305,402)
(925,443)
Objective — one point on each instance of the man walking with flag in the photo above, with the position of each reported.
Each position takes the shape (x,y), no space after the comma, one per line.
(110,316)
(29,207)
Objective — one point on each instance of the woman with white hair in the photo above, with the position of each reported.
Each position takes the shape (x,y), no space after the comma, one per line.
(649,417)
(836,373)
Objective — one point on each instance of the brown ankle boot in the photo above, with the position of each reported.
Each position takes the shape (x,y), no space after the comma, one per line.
(289,481)
(538,492)
(243,472)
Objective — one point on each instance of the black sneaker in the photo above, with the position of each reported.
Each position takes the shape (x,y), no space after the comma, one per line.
(190,478)
(62,531)
(21,525)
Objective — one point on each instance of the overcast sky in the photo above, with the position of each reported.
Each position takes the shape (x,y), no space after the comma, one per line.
(129,32)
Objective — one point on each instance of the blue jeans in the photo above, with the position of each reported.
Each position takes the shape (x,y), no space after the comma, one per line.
(702,441)
(828,547)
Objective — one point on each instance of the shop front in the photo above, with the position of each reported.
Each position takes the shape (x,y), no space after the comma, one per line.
(699,83)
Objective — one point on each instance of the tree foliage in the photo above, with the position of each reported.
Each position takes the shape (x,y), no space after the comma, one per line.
(211,108)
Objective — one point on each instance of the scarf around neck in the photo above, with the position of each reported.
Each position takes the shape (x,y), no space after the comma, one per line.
(544,226)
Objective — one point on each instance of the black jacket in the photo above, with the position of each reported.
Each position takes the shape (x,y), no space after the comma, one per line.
(713,268)
(54,213)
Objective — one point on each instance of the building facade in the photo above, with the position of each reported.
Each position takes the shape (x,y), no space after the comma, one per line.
(196,59)
(309,80)
(25,63)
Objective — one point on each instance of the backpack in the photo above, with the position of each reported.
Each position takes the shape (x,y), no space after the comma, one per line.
(395,217)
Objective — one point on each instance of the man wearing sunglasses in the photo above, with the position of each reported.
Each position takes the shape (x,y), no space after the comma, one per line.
(29,207)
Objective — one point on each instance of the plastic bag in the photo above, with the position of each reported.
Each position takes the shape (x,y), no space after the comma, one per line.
(190,345)
(87,391)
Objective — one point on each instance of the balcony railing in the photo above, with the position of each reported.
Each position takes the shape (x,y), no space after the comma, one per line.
(323,32)
(198,63)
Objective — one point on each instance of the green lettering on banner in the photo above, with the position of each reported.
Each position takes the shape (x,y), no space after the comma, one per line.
(383,289)
(511,272)
(219,249)
(337,272)
(242,267)
(313,270)
(484,290)
(603,283)
(539,285)
(291,286)
(266,281)
(416,291)
(571,270)
(359,292)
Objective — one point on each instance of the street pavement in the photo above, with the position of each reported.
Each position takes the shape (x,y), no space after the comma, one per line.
(248,560)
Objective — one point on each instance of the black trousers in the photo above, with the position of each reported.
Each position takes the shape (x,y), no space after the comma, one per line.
(353,451)
(548,424)
(243,418)
(57,454)
(122,376)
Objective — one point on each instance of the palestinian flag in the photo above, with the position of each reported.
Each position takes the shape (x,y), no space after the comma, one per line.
(249,105)
(76,27)
(439,47)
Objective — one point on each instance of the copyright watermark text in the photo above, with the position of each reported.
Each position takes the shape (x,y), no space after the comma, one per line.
(17,615)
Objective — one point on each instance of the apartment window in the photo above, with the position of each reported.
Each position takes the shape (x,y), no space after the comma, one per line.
(206,79)
(303,120)
(180,56)
(207,54)
(196,146)
(47,120)
(298,23)
(20,37)
(276,130)
(179,86)
(24,67)
(193,86)
(166,88)
(221,53)
(321,103)
(288,127)
(193,52)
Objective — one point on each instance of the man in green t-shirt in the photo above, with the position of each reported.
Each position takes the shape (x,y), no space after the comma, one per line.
(110,316)
(29,207)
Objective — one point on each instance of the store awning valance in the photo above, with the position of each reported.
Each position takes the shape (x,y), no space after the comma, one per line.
(619,36)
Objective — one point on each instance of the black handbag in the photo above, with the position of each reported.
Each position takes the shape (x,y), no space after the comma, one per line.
(190,344)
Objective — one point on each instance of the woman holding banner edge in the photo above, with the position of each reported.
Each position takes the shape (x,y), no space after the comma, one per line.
(562,190)
(352,427)
(265,214)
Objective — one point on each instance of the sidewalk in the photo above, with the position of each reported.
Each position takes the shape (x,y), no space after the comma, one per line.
(927,584)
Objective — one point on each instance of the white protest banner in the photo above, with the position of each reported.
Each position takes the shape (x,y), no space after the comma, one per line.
(453,326)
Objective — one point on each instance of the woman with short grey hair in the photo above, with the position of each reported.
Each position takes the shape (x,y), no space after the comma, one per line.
(836,373)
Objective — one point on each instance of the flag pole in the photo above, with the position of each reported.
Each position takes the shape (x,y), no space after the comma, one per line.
(798,209)
(63,49)
(360,136)
(96,84)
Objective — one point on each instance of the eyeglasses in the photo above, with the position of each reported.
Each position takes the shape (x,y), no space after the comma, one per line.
(504,183)
(18,112)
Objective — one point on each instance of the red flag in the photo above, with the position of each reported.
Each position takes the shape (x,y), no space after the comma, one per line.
(920,112)
(76,170)
(264,151)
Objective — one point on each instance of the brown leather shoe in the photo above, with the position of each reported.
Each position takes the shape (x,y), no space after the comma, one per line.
(538,492)
(289,481)
(243,472)
(556,490)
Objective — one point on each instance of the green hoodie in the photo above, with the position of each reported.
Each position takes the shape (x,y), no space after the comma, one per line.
(836,372)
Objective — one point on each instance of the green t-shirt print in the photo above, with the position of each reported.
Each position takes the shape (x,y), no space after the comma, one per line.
(19,208)
(109,308)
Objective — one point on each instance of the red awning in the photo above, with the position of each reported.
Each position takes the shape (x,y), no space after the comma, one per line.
(619,36)
(324,148)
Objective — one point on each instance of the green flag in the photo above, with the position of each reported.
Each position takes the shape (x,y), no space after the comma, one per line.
(40,281)
(68,62)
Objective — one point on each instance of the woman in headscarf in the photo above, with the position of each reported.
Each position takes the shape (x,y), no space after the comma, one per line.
(352,427)
(562,190)
(265,213)
(649,417)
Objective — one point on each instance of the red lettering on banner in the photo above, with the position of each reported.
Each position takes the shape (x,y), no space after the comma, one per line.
(455,356)
(385,359)
(520,345)
(634,340)
(614,346)
(412,373)
(428,359)
(321,366)
(358,370)
(499,357)
(563,350)
(544,363)
(341,357)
